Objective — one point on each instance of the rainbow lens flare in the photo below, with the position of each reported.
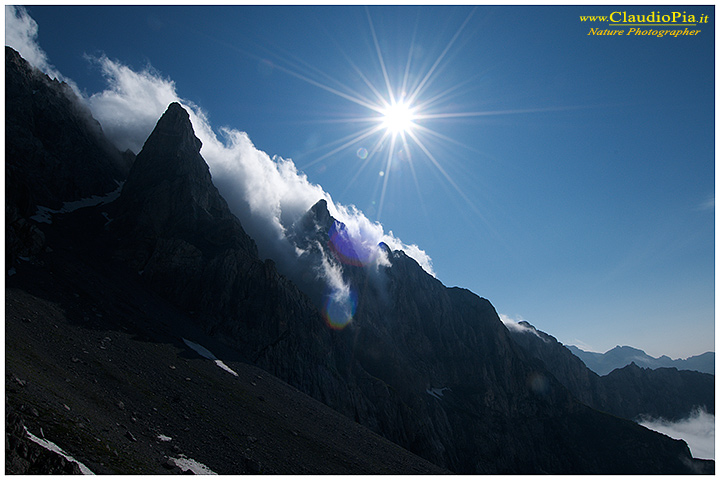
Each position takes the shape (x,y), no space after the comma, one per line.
(345,248)
(339,309)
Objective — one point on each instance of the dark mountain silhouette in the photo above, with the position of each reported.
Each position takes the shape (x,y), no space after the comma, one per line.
(97,356)
(55,152)
(629,392)
(619,357)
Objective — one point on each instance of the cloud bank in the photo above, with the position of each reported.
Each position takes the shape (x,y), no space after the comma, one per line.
(268,194)
(698,430)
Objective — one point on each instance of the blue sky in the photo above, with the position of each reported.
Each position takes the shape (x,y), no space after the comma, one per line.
(568,178)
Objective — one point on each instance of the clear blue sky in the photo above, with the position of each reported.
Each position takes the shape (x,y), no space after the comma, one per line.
(575,189)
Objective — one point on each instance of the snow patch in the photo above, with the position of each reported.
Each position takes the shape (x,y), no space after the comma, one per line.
(205,353)
(164,438)
(436,392)
(194,466)
(44,214)
(222,365)
(47,444)
(107,217)
(91,201)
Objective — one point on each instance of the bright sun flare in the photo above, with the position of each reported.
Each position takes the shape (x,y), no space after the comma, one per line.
(398,118)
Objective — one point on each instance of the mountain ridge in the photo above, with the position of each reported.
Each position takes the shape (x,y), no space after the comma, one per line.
(620,356)
(431,368)
(629,392)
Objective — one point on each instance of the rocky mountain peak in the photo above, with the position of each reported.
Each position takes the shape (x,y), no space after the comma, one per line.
(169,191)
(171,150)
(320,216)
(55,152)
(175,129)
(313,227)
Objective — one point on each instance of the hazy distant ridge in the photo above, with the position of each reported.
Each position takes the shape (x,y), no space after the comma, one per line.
(619,357)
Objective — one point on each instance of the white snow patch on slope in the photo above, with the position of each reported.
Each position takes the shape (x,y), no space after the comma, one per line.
(205,353)
(220,364)
(54,448)
(164,438)
(436,392)
(91,201)
(44,214)
(194,466)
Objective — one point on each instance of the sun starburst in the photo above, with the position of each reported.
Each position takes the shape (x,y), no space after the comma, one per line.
(398,118)
(400,103)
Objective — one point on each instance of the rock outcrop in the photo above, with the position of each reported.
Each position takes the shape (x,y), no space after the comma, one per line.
(25,457)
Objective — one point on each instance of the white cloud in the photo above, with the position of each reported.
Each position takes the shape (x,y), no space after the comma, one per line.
(584,346)
(21,33)
(514,324)
(132,104)
(268,194)
(698,430)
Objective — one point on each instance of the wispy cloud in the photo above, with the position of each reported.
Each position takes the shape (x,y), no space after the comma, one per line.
(132,103)
(21,33)
(698,430)
(708,204)
(583,346)
(516,325)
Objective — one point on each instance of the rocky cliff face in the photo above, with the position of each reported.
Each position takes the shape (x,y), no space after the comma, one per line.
(446,356)
(55,152)
(431,368)
(628,392)
(172,227)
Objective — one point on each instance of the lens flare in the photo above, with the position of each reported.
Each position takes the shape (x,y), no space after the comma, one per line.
(339,309)
(348,250)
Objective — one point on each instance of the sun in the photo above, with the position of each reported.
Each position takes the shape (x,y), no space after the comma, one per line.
(398,118)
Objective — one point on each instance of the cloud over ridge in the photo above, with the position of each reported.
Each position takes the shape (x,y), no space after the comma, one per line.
(268,194)
(21,33)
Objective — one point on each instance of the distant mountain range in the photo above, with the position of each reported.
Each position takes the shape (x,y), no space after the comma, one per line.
(619,357)
(356,362)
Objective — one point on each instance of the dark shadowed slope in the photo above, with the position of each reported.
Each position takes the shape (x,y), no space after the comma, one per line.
(102,370)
